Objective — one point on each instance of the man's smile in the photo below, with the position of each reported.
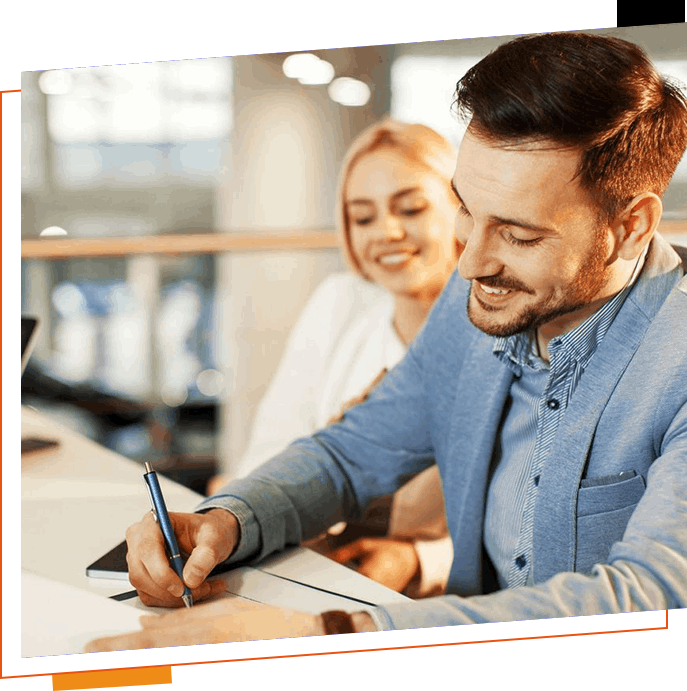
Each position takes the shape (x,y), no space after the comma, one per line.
(491,297)
(493,291)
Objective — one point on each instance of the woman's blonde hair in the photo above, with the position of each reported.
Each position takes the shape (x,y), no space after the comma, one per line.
(418,143)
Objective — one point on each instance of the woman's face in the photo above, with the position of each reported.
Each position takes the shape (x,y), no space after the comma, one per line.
(401,219)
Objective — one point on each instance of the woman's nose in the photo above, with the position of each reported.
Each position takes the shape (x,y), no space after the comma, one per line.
(390,227)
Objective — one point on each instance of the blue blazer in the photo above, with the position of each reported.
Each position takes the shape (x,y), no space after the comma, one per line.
(602,543)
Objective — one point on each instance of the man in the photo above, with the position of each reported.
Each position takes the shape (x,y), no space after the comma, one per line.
(555,405)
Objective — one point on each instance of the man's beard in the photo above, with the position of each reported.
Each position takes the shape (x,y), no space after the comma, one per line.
(587,284)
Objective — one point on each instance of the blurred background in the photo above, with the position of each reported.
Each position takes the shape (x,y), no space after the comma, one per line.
(176,217)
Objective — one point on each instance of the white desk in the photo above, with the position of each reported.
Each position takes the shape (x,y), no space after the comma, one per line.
(78,500)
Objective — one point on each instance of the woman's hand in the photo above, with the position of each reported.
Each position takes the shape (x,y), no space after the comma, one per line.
(393,563)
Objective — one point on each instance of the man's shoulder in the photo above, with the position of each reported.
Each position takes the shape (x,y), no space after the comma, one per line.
(661,277)
(448,337)
(448,318)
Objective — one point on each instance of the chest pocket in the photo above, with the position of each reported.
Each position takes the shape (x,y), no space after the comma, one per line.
(603,511)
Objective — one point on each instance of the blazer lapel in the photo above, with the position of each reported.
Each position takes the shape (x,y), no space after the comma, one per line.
(481,393)
(555,522)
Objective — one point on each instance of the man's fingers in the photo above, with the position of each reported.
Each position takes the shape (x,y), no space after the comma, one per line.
(161,578)
(149,569)
(208,539)
(213,541)
(202,560)
(155,590)
(204,591)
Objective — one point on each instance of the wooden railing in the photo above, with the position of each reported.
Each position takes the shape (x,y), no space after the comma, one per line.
(197,243)
(209,243)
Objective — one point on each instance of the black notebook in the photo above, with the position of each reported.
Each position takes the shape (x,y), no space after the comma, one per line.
(113,565)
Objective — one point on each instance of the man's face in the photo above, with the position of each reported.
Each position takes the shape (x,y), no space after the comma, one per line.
(535,250)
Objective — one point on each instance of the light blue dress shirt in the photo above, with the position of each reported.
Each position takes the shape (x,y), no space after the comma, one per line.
(538,397)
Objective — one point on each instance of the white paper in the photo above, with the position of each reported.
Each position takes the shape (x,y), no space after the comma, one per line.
(58,619)
(317,571)
(256,585)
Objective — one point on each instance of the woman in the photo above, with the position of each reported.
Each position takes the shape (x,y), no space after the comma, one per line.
(396,214)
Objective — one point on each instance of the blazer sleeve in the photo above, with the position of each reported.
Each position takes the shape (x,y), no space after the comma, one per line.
(646,570)
(333,475)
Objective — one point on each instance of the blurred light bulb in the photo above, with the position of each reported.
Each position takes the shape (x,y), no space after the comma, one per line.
(349,92)
(68,299)
(52,231)
(320,73)
(296,65)
(173,395)
(209,382)
(55,82)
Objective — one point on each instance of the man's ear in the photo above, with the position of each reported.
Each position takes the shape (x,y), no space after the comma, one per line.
(636,225)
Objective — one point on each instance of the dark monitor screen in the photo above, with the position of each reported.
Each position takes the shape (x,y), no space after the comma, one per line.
(29,329)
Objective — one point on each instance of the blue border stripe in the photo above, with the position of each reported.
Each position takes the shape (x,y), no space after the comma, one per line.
(37,664)
(677,625)
(379,639)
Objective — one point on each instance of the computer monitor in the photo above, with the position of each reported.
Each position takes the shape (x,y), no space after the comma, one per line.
(29,330)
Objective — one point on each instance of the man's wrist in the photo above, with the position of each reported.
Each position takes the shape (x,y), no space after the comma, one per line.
(336,622)
(230,520)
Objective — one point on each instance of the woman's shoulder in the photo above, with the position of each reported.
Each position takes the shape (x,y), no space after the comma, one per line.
(347,292)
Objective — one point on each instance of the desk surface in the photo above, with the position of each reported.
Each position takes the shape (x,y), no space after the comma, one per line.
(79,499)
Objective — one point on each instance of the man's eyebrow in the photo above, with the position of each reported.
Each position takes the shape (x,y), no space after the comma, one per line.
(500,220)
(397,195)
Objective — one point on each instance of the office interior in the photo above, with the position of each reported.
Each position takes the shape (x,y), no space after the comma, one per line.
(177,216)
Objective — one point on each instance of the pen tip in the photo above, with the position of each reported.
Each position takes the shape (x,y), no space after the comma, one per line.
(188,600)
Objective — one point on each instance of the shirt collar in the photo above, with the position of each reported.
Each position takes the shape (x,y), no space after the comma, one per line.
(520,350)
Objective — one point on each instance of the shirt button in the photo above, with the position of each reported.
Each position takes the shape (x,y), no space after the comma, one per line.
(536,480)
(552,403)
(521,562)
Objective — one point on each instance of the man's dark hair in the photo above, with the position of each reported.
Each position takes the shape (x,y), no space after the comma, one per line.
(598,94)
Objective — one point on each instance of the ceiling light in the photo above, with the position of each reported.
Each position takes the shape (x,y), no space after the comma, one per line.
(296,65)
(52,231)
(308,69)
(349,92)
(321,72)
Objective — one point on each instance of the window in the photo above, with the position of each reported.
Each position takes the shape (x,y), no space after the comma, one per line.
(422,88)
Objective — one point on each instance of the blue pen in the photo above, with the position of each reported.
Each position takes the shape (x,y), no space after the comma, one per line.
(161,516)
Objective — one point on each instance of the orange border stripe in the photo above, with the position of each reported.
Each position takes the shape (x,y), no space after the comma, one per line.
(132,676)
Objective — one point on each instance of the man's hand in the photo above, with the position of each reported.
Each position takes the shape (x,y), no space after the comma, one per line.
(207,538)
(225,620)
(393,563)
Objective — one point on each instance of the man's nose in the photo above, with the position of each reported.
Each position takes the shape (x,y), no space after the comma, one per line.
(479,257)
